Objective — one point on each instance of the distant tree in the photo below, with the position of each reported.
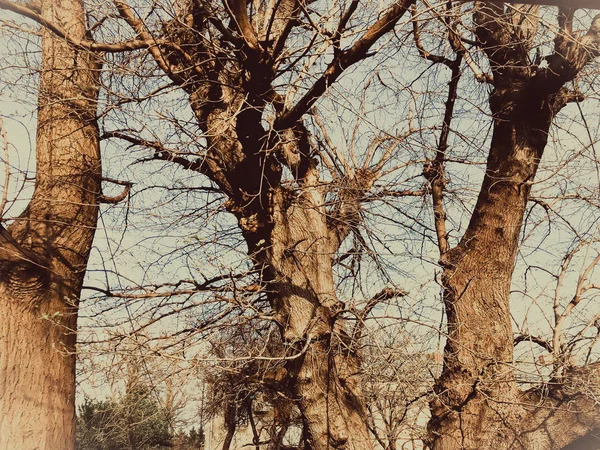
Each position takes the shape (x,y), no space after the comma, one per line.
(135,422)
(193,439)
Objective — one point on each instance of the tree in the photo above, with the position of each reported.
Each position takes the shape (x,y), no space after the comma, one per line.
(191,440)
(43,253)
(478,403)
(227,62)
(135,422)
(252,394)
(253,78)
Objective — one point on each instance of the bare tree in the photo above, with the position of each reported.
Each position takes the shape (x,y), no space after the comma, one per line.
(478,403)
(43,253)
(227,58)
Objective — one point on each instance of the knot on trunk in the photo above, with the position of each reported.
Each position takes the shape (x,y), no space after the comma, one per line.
(433,171)
(24,280)
(338,432)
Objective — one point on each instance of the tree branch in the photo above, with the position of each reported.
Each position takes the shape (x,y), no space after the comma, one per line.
(571,54)
(205,166)
(437,59)
(116,199)
(535,339)
(578,4)
(434,171)
(237,9)
(384,294)
(342,61)
(31,13)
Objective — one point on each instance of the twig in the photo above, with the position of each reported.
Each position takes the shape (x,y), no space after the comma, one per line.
(6,169)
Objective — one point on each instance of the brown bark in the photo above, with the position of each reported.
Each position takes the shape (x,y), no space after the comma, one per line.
(292,245)
(478,404)
(325,378)
(43,254)
(289,237)
(477,277)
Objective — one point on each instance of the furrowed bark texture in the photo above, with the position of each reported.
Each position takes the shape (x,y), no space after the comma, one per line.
(289,237)
(326,378)
(292,245)
(43,254)
(478,404)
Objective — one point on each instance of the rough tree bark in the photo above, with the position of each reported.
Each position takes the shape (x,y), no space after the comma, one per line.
(478,404)
(43,254)
(291,235)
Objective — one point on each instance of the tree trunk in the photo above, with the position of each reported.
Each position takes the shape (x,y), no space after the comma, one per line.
(43,254)
(478,404)
(476,280)
(289,240)
(325,374)
(292,245)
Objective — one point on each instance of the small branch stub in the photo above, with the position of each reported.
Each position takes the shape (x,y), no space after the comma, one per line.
(118,198)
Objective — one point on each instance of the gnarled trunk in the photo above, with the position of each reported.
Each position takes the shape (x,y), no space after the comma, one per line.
(325,378)
(43,254)
(478,403)
(477,396)
(289,239)
(291,244)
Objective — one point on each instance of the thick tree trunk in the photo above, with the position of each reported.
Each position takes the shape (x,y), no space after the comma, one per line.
(478,404)
(287,234)
(37,379)
(44,253)
(476,392)
(292,245)
(325,378)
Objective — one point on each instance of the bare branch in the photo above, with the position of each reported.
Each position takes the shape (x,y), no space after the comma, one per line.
(116,199)
(571,54)
(237,9)
(31,13)
(437,59)
(383,295)
(590,4)
(6,163)
(535,339)
(341,62)
(434,171)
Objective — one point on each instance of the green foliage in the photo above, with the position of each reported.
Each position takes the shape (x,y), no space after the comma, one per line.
(135,422)
(192,440)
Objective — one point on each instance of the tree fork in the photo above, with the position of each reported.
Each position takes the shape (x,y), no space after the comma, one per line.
(478,403)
